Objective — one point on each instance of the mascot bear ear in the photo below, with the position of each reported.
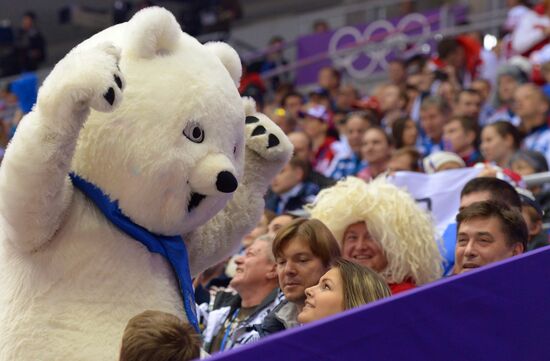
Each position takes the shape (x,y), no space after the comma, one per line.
(153,31)
(229,58)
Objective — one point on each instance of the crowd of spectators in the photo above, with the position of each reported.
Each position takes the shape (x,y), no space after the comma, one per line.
(434,114)
(475,105)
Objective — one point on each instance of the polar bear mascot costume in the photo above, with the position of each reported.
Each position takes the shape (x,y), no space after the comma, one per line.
(139,166)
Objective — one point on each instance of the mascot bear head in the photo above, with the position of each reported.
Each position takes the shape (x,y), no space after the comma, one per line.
(180,115)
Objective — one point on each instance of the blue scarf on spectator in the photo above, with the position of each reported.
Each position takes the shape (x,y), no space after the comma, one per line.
(172,248)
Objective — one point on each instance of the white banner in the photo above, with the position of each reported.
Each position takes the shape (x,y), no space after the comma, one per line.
(439,192)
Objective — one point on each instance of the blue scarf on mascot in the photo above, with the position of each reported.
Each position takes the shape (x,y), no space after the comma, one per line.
(171,248)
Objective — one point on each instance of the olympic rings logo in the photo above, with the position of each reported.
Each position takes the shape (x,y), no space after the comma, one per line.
(396,38)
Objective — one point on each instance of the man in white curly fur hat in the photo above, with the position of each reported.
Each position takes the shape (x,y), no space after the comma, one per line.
(381,226)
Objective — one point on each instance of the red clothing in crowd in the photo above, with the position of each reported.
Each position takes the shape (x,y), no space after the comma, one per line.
(324,155)
(251,80)
(529,36)
(396,288)
(472,54)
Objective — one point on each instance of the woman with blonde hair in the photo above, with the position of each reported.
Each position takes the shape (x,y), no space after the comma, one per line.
(345,286)
(381,226)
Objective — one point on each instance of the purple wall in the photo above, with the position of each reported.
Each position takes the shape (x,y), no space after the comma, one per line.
(317,48)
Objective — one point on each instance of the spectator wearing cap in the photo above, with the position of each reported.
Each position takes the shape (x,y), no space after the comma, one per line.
(509,77)
(531,106)
(315,124)
(289,189)
(441,161)
(355,126)
(461,136)
(532,214)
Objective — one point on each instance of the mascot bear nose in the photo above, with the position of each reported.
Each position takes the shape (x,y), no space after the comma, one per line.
(226,182)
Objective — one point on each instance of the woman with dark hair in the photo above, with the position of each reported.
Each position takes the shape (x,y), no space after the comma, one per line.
(406,159)
(345,286)
(404,133)
(499,142)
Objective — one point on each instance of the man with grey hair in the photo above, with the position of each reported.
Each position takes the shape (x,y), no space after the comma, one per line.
(229,317)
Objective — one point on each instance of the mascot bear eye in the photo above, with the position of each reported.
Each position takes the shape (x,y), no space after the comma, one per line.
(194,132)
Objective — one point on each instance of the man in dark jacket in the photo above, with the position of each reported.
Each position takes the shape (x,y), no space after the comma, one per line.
(289,190)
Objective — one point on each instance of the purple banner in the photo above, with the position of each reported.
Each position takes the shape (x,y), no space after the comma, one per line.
(501,312)
(321,50)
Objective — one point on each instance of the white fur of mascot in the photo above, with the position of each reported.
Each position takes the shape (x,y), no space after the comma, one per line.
(150,126)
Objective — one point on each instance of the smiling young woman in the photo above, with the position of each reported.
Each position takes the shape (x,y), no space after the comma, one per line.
(345,286)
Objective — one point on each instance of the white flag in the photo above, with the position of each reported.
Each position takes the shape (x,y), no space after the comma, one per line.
(439,192)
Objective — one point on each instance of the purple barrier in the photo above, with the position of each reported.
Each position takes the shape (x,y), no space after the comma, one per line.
(501,312)
(362,65)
